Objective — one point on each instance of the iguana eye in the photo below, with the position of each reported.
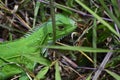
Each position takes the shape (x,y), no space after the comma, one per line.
(61,27)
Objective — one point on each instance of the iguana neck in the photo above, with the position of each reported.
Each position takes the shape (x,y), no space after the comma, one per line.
(39,35)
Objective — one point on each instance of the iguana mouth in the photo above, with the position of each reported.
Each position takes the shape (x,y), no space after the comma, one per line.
(61,38)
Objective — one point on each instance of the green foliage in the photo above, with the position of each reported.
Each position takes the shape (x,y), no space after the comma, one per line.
(57,72)
(70,3)
(99,18)
(41,74)
(110,13)
(89,77)
(113,62)
(116,76)
(36,12)
(116,8)
(105,33)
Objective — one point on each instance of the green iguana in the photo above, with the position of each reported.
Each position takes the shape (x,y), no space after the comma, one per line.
(21,50)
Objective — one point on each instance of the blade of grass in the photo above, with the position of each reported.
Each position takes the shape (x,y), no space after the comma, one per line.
(75,48)
(89,77)
(116,76)
(57,72)
(36,12)
(42,12)
(94,41)
(84,54)
(115,4)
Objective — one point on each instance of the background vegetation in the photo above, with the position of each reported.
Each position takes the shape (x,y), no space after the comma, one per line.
(97,34)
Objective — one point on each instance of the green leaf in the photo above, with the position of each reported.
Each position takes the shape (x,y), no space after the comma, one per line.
(57,72)
(89,77)
(39,59)
(23,77)
(70,3)
(116,76)
(42,73)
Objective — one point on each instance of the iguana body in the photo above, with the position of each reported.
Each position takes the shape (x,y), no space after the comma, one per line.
(15,51)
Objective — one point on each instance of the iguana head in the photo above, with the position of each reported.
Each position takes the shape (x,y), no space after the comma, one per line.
(64,26)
